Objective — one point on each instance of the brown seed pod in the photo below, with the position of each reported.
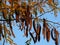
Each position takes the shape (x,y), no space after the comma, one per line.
(44,33)
(26,32)
(44,28)
(30,24)
(47,34)
(17,15)
(55,37)
(38,31)
(34,25)
(5,12)
(11,26)
(0,31)
(34,38)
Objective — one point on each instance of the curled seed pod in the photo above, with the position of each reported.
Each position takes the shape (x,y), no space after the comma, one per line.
(52,34)
(34,38)
(34,25)
(55,38)
(37,30)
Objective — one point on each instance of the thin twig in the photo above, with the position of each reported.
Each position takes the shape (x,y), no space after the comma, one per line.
(50,21)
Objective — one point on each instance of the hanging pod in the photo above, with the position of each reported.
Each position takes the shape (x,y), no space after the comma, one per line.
(55,37)
(17,15)
(34,25)
(37,31)
(34,38)
(30,24)
(11,26)
(5,12)
(47,34)
(0,31)
(44,28)
(46,31)
(26,32)
(22,24)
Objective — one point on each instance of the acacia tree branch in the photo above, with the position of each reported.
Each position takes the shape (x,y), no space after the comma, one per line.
(39,15)
(49,21)
(48,11)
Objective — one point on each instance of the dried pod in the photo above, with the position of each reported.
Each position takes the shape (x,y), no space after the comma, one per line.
(12,31)
(52,34)
(0,31)
(5,12)
(34,25)
(38,31)
(44,28)
(34,38)
(56,32)
(55,37)
(44,33)
(44,23)
(47,34)
(11,26)
(30,24)
(22,26)
(17,15)
(26,32)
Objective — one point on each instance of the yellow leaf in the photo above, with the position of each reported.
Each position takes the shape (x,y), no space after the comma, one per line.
(32,3)
(49,1)
(41,10)
(9,39)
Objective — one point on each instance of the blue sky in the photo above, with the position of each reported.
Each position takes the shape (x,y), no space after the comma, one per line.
(20,39)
